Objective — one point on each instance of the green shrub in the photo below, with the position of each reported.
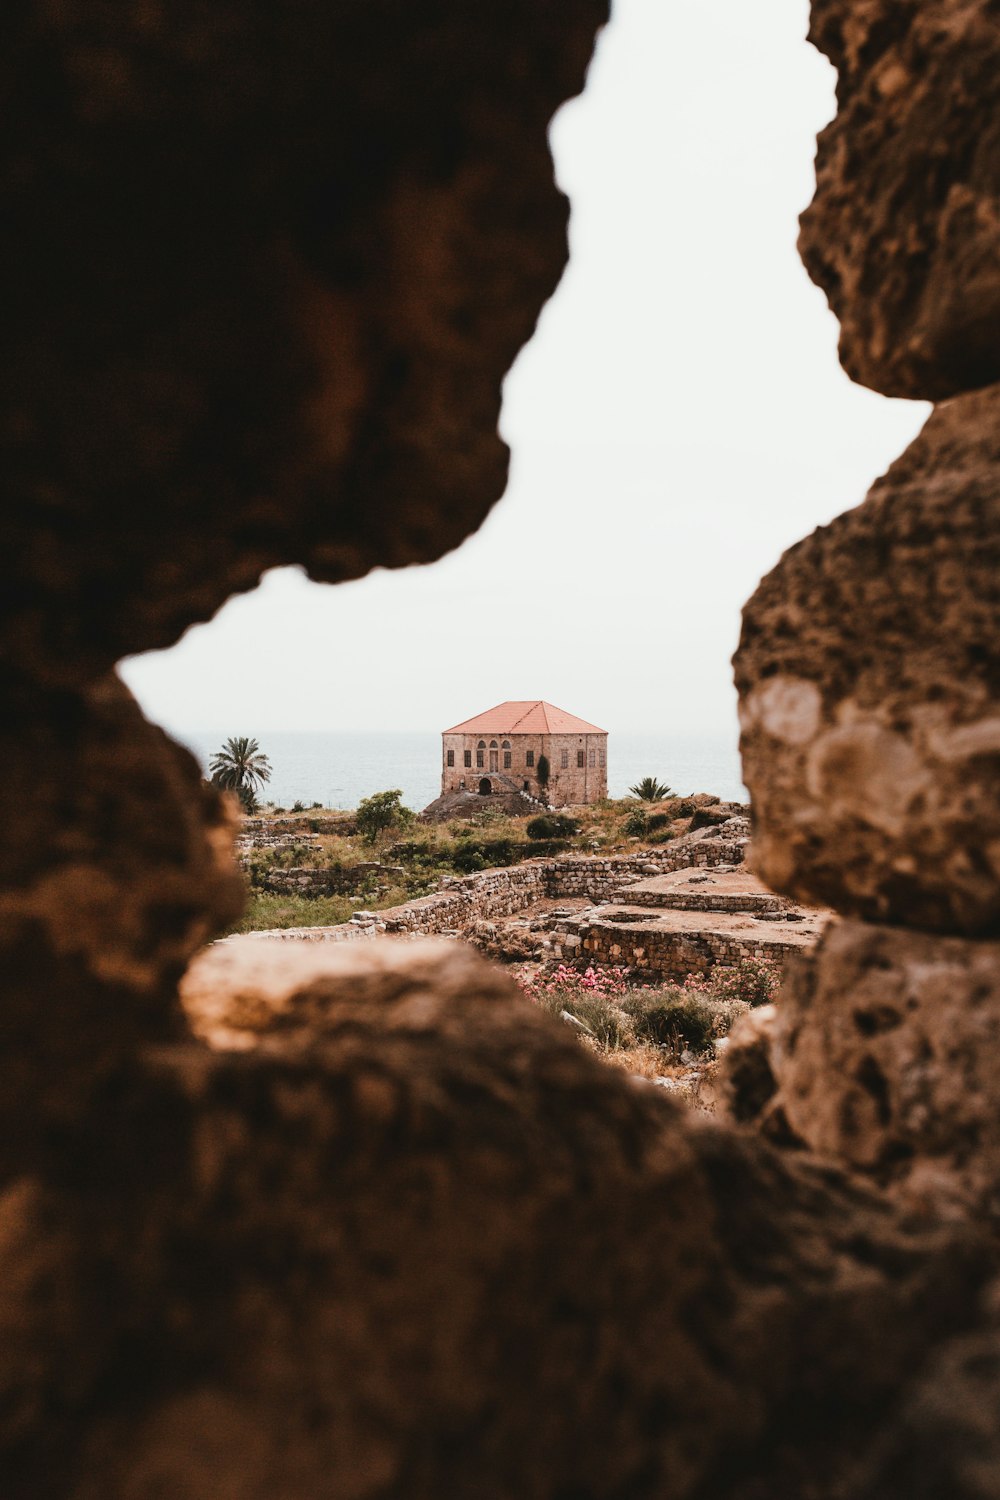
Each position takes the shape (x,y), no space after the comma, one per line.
(468,859)
(670,1018)
(542,848)
(552,826)
(685,809)
(663,837)
(657,820)
(381,812)
(298,807)
(608,1023)
(635,824)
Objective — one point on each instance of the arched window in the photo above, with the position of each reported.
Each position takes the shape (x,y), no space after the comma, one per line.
(506,755)
(481,754)
(494,756)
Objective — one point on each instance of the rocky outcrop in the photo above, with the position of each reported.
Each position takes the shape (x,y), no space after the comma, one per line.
(885,1052)
(904,232)
(269,269)
(371,1055)
(868,673)
(117,869)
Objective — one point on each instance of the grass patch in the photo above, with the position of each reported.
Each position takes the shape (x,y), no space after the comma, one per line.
(266,910)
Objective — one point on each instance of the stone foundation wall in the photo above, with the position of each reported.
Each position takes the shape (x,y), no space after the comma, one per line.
(329,880)
(668,956)
(499,893)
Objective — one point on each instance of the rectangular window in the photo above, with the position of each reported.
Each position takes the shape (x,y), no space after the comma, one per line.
(451,757)
(479,758)
(506,760)
(467,757)
(529,758)
(592,757)
(564,760)
(604,758)
(580,758)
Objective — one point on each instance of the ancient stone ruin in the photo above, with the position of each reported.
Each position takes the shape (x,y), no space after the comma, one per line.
(382,1229)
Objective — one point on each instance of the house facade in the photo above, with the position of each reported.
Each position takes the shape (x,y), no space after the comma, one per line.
(500,751)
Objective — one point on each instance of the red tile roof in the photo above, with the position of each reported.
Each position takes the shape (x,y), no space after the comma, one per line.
(532,717)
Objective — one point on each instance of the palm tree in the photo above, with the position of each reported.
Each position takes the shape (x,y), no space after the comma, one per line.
(650,790)
(241,768)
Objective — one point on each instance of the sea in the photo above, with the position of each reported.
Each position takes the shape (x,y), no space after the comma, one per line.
(337,769)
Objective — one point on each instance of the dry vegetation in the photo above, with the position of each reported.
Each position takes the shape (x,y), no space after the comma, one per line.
(423,854)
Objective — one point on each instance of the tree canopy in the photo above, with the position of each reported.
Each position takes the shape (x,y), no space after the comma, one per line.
(241,767)
(650,790)
(381,812)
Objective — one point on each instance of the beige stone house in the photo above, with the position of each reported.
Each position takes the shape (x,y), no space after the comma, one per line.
(499,751)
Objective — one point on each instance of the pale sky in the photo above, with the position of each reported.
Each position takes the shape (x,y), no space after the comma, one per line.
(677,421)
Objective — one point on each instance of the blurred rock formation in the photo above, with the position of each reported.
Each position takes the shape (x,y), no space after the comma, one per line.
(360,1223)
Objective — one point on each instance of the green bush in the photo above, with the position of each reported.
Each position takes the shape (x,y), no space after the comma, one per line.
(478,854)
(657,820)
(381,812)
(663,837)
(609,1024)
(670,1018)
(635,824)
(552,826)
(468,859)
(685,809)
(542,848)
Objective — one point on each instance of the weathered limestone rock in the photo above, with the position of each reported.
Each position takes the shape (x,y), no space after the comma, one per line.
(418,1242)
(904,232)
(885,1054)
(746,1082)
(116,869)
(945,1440)
(869,676)
(264,270)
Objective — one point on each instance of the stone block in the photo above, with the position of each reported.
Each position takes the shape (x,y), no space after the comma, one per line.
(869,679)
(885,1049)
(116,870)
(394,1163)
(269,272)
(904,232)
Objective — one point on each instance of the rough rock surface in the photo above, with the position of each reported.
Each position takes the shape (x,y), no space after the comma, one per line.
(884,1052)
(266,267)
(117,867)
(904,232)
(944,1444)
(419,1242)
(869,677)
(270,266)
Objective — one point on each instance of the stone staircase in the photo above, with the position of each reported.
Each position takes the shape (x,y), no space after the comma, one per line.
(511,785)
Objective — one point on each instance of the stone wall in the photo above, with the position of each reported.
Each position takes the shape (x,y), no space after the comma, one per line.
(499,893)
(328,880)
(669,956)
